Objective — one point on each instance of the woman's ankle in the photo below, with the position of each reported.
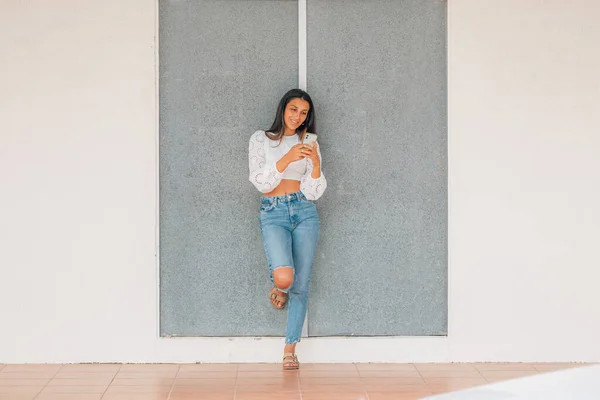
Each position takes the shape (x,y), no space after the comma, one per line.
(289,348)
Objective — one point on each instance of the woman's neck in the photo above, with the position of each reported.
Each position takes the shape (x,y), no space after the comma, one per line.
(288,132)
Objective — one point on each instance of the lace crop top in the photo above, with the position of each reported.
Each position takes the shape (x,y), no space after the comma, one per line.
(263,155)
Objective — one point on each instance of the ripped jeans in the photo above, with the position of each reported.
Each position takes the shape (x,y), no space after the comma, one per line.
(290,230)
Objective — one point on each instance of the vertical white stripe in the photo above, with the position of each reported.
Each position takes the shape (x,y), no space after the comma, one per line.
(302,82)
(157,166)
(302,44)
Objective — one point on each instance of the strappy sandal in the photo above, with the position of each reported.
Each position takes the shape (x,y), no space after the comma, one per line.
(290,362)
(276,296)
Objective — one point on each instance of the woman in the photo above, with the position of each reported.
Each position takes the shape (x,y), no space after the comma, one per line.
(289,174)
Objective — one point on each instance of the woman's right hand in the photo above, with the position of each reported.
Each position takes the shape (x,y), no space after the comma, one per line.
(298,152)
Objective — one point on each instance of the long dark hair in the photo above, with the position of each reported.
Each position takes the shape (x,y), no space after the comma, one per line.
(277,130)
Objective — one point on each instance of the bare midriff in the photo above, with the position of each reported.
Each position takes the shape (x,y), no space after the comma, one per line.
(286,186)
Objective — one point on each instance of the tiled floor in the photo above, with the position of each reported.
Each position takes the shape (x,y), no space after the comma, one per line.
(251,381)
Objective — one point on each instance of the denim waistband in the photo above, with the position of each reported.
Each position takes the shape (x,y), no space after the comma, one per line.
(286,198)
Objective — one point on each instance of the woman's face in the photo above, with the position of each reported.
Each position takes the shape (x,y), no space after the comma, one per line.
(295,113)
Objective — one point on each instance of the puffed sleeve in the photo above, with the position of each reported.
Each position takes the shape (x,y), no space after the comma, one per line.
(263,176)
(311,187)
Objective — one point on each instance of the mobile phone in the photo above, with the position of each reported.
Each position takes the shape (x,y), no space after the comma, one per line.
(309,138)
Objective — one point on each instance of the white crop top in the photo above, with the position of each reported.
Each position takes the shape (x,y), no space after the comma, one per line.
(263,155)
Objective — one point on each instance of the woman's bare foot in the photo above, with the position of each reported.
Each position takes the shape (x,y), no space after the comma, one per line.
(278,298)
(290,360)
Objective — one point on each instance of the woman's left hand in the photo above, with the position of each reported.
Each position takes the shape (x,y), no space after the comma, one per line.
(312,153)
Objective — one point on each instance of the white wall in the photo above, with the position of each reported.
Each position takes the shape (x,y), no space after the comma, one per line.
(78,204)
(524,179)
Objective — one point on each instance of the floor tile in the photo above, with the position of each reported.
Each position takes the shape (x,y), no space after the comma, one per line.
(208,367)
(441,385)
(204,382)
(267,388)
(386,367)
(505,375)
(445,366)
(267,396)
(447,373)
(207,374)
(199,396)
(20,390)
(390,374)
(27,375)
(15,372)
(74,389)
(260,367)
(138,389)
(327,367)
(14,396)
(335,395)
(315,373)
(137,396)
(146,374)
(316,380)
(253,381)
(266,393)
(398,396)
(142,381)
(396,388)
(331,388)
(101,376)
(91,368)
(442,381)
(84,381)
(149,367)
(383,381)
(23,382)
(38,368)
(504,367)
(277,380)
(549,366)
(66,396)
(203,389)
(268,374)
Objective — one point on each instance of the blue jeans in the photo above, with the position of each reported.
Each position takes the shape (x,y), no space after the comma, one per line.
(290,229)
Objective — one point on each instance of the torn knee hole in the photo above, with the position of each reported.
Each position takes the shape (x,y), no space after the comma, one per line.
(283,277)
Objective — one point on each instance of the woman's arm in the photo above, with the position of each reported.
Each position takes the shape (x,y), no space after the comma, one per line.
(265,177)
(313,183)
